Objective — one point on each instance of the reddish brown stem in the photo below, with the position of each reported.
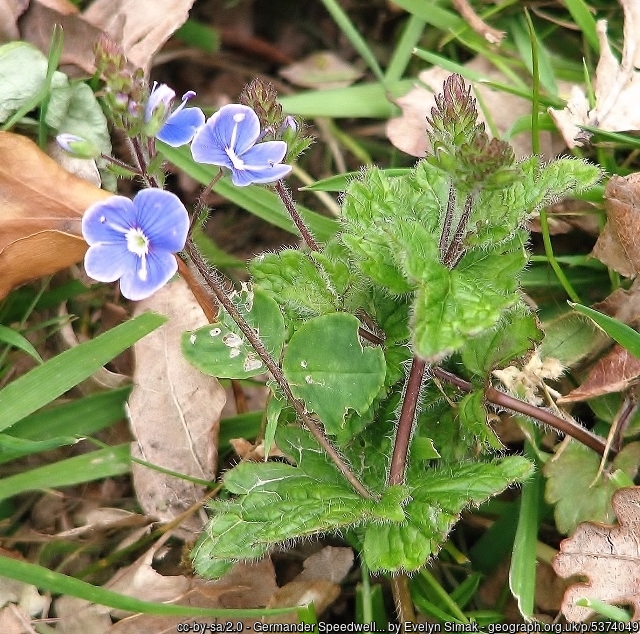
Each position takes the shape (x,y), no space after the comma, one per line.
(516,405)
(285,196)
(218,290)
(405,422)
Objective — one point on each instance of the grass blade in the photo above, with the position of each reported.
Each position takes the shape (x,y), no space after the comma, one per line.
(52,379)
(626,336)
(58,583)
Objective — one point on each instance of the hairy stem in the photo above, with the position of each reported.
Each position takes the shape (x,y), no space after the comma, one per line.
(285,196)
(218,290)
(516,405)
(402,598)
(446,226)
(405,422)
(455,250)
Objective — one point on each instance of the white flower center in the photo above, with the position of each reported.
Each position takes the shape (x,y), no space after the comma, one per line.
(138,243)
(238,163)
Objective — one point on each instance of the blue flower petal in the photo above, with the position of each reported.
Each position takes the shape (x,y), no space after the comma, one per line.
(108,262)
(259,175)
(107,221)
(181,126)
(140,281)
(162,218)
(205,148)
(264,154)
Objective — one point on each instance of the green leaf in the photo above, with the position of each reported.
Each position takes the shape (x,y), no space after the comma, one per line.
(522,571)
(303,284)
(15,445)
(570,338)
(453,305)
(574,490)
(280,502)
(626,336)
(58,583)
(82,116)
(474,419)
(53,378)
(79,417)
(104,463)
(339,182)
(380,215)
(328,368)
(514,335)
(436,501)
(221,350)
(23,69)
(371,101)
(15,339)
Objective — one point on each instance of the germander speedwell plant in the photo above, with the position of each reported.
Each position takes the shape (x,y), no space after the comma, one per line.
(379,345)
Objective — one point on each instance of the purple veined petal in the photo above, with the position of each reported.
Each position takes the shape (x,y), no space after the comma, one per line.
(107,220)
(148,275)
(270,174)
(160,94)
(162,218)
(108,262)
(180,127)
(264,154)
(235,127)
(206,148)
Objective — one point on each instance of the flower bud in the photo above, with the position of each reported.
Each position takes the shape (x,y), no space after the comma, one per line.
(157,108)
(77,146)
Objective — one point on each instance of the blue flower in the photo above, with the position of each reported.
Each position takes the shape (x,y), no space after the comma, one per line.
(135,240)
(229,139)
(178,127)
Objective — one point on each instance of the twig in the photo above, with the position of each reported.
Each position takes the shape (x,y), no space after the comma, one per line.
(455,250)
(448,219)
(217,289)
(509,402)
(493,36)
(402,599)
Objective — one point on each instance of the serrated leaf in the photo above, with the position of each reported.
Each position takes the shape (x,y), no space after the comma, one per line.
(435,504)
(453,305)
(474,419)
(328,368)
(280,502)
(221,350)
(301,286)
(513,336)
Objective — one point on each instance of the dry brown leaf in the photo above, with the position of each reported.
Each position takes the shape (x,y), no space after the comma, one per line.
(244,586)
(608,555)
(619,243)
(41,206)
(174,410)
(331,563)
(614,372)
(14,620)
(141,27)
(36,26)
(10,11)
(321,70)
(616,86)
(408,132)
(623,305)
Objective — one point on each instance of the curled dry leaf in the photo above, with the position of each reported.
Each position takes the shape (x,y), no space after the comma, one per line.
(80,37)
(408,132)
(141,27)
(41,206)
(10,11)
(615,372)
(174,410)
(616,87)
(619,243)
(608,555)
